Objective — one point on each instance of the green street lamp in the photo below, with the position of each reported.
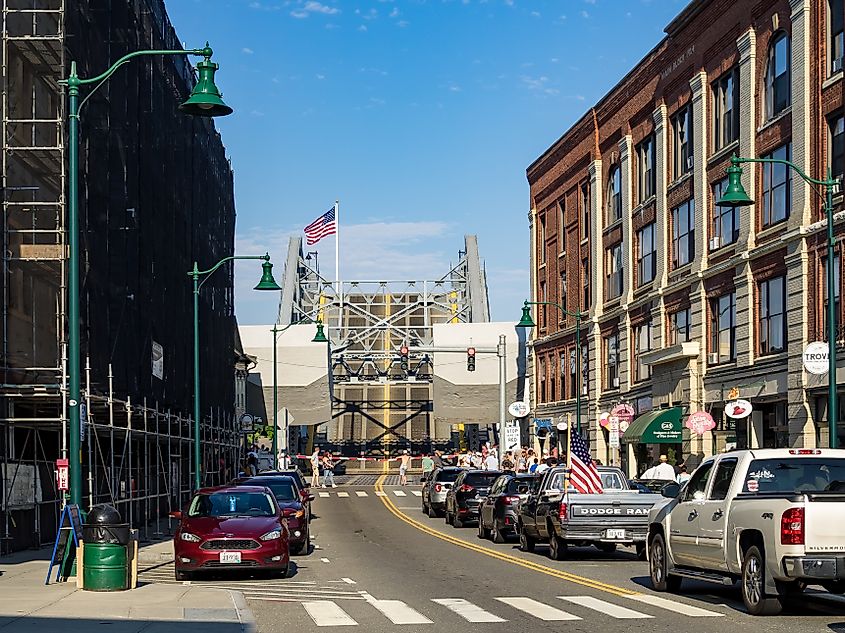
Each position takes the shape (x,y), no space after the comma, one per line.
(736,196)
(267,283)
(319,337)
(205,100)
(527,322)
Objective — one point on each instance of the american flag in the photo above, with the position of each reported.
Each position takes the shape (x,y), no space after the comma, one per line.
(584,474)
(320,228)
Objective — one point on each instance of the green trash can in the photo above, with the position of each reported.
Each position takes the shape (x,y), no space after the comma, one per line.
(105,557)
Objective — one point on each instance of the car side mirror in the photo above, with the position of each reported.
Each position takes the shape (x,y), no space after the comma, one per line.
(176,514)
(310,497)
(671,490)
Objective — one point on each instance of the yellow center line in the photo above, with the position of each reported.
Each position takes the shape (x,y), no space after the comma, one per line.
(543,569)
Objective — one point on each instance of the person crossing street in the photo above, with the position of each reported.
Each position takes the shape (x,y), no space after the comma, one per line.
(404,465)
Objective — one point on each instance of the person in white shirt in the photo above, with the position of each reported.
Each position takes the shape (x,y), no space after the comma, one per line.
(663,470)
(315,468)
(491,462)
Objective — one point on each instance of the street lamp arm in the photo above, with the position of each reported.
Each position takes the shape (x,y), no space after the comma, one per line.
(576,315)
(196,273)
(76,80)
(736,160)
(278,331)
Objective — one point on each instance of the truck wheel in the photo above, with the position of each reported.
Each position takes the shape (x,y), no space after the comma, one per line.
(753,585)
(834,586)
(526,543)
(557,547)
(659,565)
(607,548)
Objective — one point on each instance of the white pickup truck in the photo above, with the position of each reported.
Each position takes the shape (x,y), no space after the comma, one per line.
(774,519)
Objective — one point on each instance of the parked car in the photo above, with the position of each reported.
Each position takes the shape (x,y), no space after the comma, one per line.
(435,487)
(770,518)
(287,494)
(562,516)
(302,482)
(465,496)
(499,510)
(231,527)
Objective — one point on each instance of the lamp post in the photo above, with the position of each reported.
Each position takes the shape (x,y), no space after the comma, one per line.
(205,100)
(736,196)
(527,322)
(267,283)
(319,337)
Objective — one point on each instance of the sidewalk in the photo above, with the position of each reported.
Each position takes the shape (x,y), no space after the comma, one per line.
(27,605)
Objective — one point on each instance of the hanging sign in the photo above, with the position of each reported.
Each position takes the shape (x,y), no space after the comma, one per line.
(512,436)
(700,422)
(738,409)
(625,413)
(816,358)
(62,475)
(519,409)
(604,419)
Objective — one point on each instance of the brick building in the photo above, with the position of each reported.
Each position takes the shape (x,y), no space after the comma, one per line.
(686,304)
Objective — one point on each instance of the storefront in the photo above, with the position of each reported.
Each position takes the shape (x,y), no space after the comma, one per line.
(658,432)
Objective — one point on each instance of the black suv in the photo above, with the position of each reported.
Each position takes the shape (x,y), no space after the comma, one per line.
(500,509)
(466,495)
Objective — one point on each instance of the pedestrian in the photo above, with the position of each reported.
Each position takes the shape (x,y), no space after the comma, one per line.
(491,462)
(404,465)
(533,467)
(328,470)
(252,464)
(476,460)
(438,459)
(315,468)
(683,475)
(545,465)
(507,462)
(663,470)
(427,466)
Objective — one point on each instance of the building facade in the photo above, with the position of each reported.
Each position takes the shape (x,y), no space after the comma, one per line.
(685,303)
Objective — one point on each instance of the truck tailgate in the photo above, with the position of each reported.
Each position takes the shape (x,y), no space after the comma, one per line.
(823,516)
(608,506)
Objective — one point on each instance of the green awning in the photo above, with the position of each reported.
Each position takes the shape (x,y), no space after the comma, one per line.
(661,426)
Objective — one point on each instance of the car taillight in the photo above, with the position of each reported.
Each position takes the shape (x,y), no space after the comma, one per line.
(563,514)
(792,527)
(466,488)
(438,488)
(509,500)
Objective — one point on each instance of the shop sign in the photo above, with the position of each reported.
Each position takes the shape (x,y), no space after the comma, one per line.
(816,358)
(700,422)
(519,409)
(738,409)
(542,423)
(625,413)
(604,419)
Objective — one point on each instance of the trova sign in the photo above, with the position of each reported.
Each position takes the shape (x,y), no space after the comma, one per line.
(816,358)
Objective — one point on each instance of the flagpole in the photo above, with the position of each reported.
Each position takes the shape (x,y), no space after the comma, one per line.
(339,288)
(568,450)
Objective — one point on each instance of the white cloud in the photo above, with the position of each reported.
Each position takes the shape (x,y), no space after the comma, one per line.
(395,12)
(535,14)
(312,6)
(539,84)
(247,51)
(362,27)
(584,14)
(402,24)
(320,77)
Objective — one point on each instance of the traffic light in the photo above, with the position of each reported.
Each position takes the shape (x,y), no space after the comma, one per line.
(470,359)
(403,358)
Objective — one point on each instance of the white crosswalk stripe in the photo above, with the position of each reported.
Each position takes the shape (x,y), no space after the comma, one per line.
(323,494)
(343,495)
(361,493)
(327,613)
(416,493)
(677,607)
(397,611)
(380,493)
(400,493)
(539,610)
(467,610)
(608,608)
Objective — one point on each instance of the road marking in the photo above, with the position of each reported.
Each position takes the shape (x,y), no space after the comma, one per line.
(538,609)
(677,607)
(343,494)
(397,611)
(399,493)
(381,493)
(324,560)
(349,581)
(608,608)
(467,610)
(323,494)
(416,493)
(361,493)
(327,613)
(522,562)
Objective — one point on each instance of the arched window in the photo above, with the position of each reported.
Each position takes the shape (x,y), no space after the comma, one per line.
(778,78)
(614,195)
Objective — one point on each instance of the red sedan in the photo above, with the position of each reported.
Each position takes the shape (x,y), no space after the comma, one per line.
(231,528)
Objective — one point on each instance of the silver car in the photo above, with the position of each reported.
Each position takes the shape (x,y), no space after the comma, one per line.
(435,487)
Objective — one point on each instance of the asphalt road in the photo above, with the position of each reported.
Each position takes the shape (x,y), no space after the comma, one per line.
(382,565)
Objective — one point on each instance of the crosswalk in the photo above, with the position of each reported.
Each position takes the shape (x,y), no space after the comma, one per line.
(345,494)
(328,613)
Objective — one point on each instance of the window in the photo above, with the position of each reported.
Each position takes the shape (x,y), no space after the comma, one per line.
(837,145)
(646,255)
(585,368)
(552,381)
(643,342)
(777,185)
(647,171)
(772,315)
(614,195)
(585,283)
(836,293)
(683,233)
(722,479)
(573,373)
(837,35)
(562,375)
(725,226)
(680,327)
(561,223)
(611,356)
(563,292)
(726,109)
(543,306)
(777,76)
(614,271)
(723,328)
(697,485)
(541,239)
(682,145)
(585,211)
(543,380)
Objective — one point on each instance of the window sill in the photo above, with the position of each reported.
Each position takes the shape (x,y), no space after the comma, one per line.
(722,248)
(612,226)
(833,79)
(728,364)
(585,241)
(770,230)
(773,357)
(561,254)
(684,268)
(775,119)
(643,204)
(725,151)
(678,182)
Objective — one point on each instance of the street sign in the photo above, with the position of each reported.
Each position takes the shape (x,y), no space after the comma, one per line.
(62,475)
(613,439)
(512,436)
(519,409)
(738,409)
(246,423)
(816,358)
(542,423)
(83,420)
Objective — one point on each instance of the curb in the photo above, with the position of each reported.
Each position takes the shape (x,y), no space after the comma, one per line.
(245,615)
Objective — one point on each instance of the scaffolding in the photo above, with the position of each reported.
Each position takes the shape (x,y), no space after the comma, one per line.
(378,409)
(157,194)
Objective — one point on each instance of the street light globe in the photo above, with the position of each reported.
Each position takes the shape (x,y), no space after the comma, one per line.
(267,281)
(206,99)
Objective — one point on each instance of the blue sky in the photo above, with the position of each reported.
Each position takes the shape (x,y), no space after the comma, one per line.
(419,115)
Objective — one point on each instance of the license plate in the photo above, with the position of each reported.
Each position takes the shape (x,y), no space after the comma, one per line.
(230,557)
(619,534)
